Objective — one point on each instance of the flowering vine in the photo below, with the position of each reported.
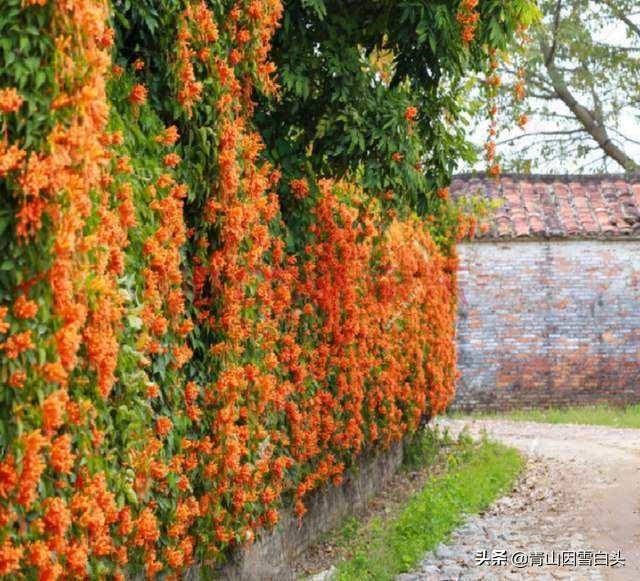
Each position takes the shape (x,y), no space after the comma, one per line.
(174,364)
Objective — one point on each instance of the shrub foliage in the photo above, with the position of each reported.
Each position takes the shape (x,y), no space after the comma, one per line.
(194,328)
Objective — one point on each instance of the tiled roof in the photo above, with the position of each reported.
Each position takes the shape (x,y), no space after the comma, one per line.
(547,206)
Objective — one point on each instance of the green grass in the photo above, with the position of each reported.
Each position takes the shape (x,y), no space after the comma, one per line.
(475,475)
(601,415)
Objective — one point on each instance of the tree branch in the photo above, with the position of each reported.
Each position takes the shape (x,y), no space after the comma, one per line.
(540,133)
(554,36)
(624,137)
(586,118)
(620,14)
(545,97)
(587,163)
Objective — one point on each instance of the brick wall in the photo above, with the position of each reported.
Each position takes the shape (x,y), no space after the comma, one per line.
(546,323)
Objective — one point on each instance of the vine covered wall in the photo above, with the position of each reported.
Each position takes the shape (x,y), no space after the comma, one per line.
(176,361)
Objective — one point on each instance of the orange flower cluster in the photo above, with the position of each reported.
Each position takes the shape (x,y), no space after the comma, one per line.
(492,83)
(10,100)
(367,325)
(164,303)
(197,32)
(410,114)
(66,185)
(138,94)
(11,159)
(468,17)
(59,184)
(4,326)
(17,344)
(299,188)
(519,93)
(24,309)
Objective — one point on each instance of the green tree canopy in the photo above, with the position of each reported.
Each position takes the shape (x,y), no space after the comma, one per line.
(349,72)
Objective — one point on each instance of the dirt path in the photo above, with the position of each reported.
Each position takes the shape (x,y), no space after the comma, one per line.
(579,492)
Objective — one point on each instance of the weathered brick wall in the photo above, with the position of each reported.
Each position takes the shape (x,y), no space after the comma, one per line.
(546,323)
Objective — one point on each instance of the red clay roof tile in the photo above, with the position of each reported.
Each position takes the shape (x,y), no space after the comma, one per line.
(540,206)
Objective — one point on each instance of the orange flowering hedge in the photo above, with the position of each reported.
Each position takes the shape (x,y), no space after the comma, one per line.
(175,362)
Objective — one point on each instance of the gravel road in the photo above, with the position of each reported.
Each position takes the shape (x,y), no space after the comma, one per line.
(580,491)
